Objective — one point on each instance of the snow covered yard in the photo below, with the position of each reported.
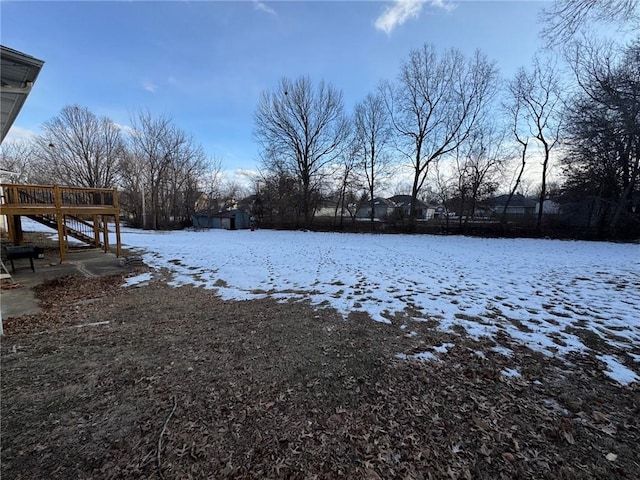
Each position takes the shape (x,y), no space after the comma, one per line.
(488,359)
(556,297)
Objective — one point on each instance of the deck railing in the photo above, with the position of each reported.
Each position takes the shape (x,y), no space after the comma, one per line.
(80,199)
(76,211)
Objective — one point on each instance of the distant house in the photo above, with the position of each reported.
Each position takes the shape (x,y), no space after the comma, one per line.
(5,177)
(403,204)
(202,202)
(519,205)
(549,207)
(327,208)
(383,209)
(225,219)
(205,201)
(248,203)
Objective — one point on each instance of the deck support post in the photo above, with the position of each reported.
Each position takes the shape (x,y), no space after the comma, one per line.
(105,232)
(60,222)
(96,231)
(116,219)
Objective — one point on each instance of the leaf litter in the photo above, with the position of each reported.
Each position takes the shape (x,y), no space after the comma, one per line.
(268,389)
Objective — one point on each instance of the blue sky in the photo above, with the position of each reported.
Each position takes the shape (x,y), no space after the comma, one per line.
(205,63)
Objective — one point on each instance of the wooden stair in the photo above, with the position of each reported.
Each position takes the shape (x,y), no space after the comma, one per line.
(74,227)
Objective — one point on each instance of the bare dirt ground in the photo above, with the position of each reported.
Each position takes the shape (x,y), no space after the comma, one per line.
(176,383)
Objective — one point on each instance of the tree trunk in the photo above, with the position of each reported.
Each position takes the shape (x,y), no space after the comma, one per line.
(543,186)
(515,186)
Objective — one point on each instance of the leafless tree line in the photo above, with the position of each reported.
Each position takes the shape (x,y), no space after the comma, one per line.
(464,133)
(441,108)
(158,167)
(461,132)
(564,19)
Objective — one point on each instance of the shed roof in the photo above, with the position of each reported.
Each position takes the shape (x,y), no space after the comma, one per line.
(382,201)
(405,201)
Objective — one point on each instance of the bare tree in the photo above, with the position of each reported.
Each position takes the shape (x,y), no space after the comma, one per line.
(537,94)
(301,129)
(149,140)
(445,186)
(479,162)
(354,200)
(212,185)
(81,149)
(231,192)
(564,18)
(278,193)
(372,135)
(603,122)
(171,165)
(513,107)
(16,156)
(132,183)
(435,105)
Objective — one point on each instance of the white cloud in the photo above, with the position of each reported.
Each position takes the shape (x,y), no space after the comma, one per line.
(19,134)
(149,87)
(441,4)
(126,129)
(403,10)
(241,176)
(261,6)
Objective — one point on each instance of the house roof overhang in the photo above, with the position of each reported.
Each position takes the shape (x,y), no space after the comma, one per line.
(18,72)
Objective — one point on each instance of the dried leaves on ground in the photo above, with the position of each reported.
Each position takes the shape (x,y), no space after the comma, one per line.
(158,382)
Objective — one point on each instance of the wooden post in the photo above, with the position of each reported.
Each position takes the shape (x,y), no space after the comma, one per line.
(96,232)
(117,222)
(61,235)
(60,221)
(13,197)
(11,227)
(14,224)
(18,234)
(118,242)
(105,232)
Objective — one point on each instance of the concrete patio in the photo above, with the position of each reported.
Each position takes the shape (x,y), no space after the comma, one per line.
(93,262)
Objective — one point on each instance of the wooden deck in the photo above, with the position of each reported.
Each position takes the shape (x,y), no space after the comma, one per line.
(81,213)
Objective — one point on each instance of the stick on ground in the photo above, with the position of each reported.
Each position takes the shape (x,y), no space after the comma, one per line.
(164,427)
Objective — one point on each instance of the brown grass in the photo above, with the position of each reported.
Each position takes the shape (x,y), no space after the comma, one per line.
(282,390)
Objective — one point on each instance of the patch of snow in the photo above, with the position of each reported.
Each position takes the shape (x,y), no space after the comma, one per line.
(424,356)
(502,350)
(553,404)
(444,347)
(532,290)
(420,319)
(138,279)
(616,371)
(510,372)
